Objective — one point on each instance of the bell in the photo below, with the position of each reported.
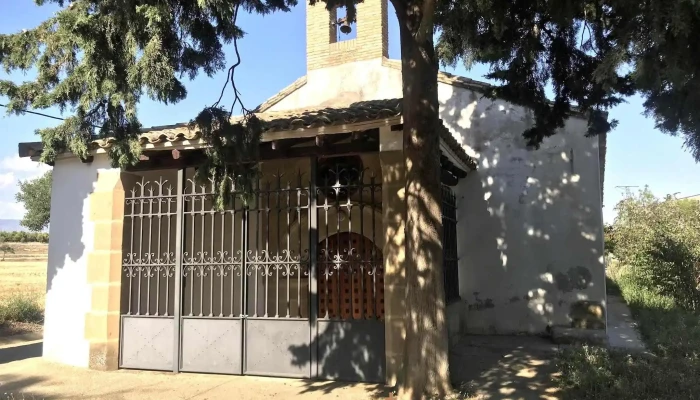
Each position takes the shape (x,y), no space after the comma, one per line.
(344,26)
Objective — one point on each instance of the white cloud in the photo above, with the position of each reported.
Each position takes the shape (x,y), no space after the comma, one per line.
(7,179)
(11,210)
(12,170)
(23,166)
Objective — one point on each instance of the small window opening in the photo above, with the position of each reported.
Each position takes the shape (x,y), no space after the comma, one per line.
(343,29)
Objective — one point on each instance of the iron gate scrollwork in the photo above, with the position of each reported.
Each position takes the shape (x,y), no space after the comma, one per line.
(350,273)
(148,284)
(282,285)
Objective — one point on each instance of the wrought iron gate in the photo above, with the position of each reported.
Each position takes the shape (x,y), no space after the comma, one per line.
(286,284)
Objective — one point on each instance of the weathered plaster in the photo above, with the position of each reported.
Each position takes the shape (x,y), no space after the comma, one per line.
(343,85)
(68,292)
(530,221)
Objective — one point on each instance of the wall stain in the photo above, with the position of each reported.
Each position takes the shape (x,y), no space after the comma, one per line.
(586,314)
(576,278)
(480,304)
(514,299)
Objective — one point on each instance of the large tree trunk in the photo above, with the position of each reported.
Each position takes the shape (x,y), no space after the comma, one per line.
(425,357)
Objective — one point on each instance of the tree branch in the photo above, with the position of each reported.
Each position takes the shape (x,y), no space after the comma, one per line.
(230,74)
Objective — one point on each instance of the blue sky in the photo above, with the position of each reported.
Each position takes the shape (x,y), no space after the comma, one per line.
(273,55)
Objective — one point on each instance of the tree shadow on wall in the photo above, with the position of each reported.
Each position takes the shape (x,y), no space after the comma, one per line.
(529,221)
(529,247)
(355,349)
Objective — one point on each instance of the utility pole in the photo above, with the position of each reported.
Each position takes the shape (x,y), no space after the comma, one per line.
(625,187)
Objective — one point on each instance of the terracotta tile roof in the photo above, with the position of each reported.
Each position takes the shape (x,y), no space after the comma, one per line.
(361,111)
(277,121)
(289,120)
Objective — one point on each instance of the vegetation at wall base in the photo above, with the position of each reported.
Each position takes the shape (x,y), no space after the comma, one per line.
(24,237)
(21,307)
(655,267)
(669,370)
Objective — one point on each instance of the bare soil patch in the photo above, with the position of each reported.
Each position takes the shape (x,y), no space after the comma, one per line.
(18,328)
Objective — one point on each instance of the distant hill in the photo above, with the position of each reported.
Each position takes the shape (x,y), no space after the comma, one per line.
(11,225)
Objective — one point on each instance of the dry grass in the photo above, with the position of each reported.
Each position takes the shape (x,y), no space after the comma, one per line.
(23,288)
(25,271)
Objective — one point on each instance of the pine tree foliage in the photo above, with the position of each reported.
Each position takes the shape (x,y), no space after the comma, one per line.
(590,53)
(98,58)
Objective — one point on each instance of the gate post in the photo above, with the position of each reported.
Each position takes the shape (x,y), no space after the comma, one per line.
(104,267)
(313,269)
(177,310)
(394,216)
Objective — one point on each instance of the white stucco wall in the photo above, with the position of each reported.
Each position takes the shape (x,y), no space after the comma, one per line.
(530,221)
(343,85)
(72,235)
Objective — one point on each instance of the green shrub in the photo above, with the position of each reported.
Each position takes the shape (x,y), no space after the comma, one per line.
(675,272)
(24,237)
(21,307)
(659,242)
(672,337)
(609,237)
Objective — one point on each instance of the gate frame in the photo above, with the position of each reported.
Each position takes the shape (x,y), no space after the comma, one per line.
(314,360)
(177,290)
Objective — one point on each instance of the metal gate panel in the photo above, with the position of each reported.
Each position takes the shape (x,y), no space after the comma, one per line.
(278,347)
(211,345)
(147,342)
(350,274)
(148,322)
(351,350)
(287,281)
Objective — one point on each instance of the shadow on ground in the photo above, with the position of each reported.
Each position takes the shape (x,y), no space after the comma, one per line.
(20,352)
(321,388)
(504,367)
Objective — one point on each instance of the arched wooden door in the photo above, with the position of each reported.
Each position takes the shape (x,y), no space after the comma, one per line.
(350,278)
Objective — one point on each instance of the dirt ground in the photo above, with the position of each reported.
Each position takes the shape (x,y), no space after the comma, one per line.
(505,368)
(35,378)
(24,271)
(488,367)
(497,368)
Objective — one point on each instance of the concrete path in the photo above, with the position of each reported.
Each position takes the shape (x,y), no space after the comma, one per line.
(36,378)
(505,367)
(484,367)
(622,329)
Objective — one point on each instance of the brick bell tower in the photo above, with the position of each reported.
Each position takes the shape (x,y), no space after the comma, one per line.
(325,46)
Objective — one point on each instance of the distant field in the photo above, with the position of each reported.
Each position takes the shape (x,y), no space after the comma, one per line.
(24,271)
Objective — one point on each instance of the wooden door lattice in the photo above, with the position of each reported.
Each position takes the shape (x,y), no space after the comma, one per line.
(351,279)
